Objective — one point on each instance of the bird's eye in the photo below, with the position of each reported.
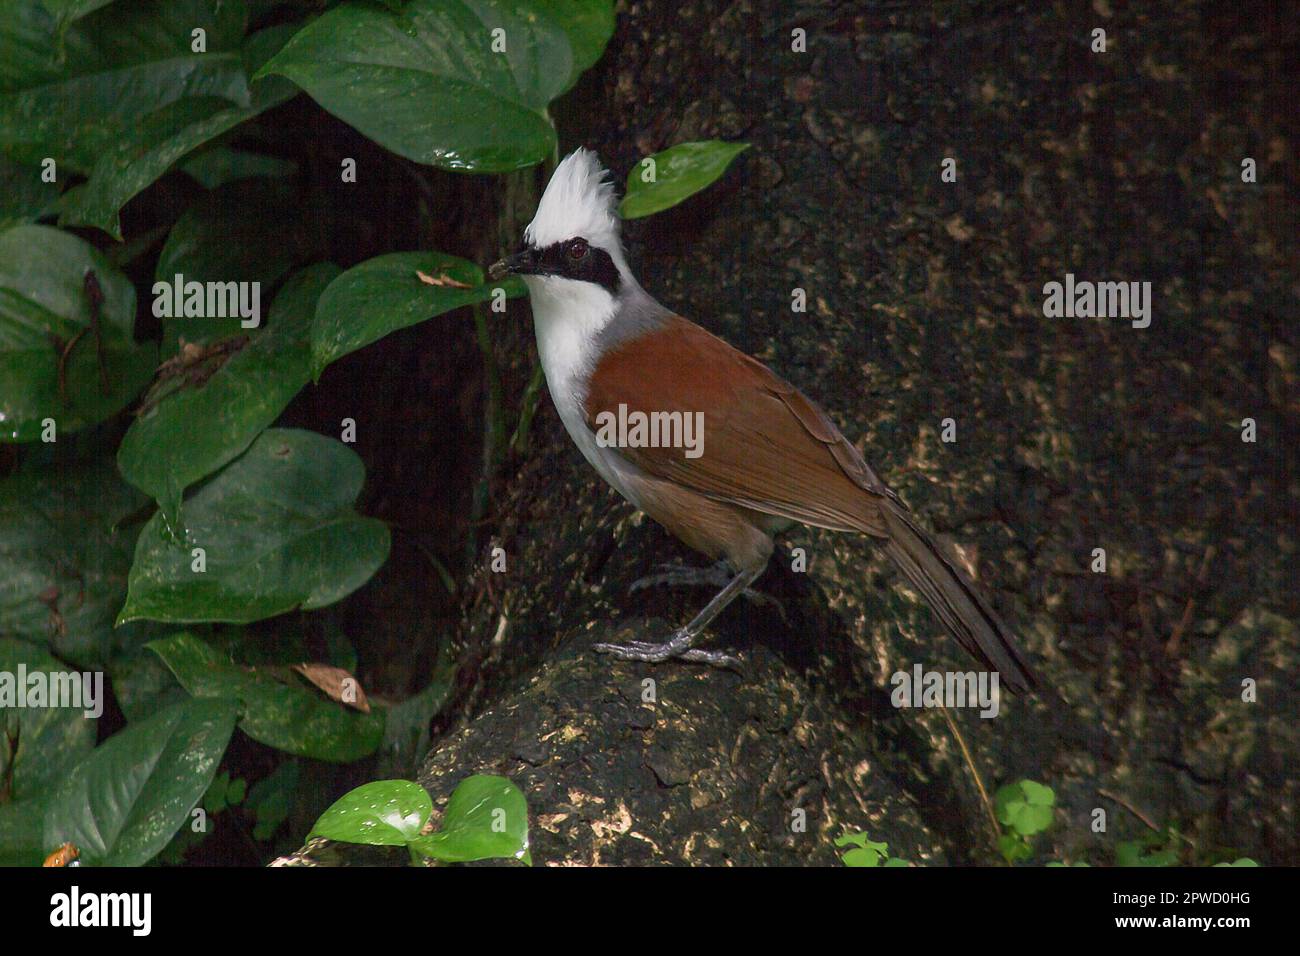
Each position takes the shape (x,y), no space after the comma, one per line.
(577,249)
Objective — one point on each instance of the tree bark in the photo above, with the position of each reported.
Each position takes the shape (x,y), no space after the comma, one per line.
(924,304)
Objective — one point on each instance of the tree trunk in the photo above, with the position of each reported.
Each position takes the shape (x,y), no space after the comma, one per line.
(924,303)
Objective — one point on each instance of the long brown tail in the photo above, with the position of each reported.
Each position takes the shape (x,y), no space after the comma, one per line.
(947,589)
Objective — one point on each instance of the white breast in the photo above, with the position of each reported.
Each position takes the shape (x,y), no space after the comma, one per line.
(567,316)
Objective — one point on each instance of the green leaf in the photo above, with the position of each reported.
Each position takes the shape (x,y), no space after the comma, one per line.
(426,83)
(860,839)
(51,735)
(123,802)
(159,140)
(24,196)
(1242,861)
(214,800)
(22,841)
(1025,806)
(192,432)
(384,294)
(42,295)
(383,813)
(862,856)
(142,684)
(1014,847)
(65,550)
(221,164)
(589,25)
(1036,794)
(865,852)
(277,532)
(678,173)
(130,165)
(271,799)
(486,818)
(287,717)
(247,231)
(70,10)
(73,91)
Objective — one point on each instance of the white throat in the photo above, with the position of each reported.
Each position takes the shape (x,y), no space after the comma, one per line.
(567,317)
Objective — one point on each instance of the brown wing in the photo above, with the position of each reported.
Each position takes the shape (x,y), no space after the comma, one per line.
(765,445)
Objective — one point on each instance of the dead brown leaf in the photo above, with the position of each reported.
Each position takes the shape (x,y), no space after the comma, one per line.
(63,856)
(442,280)
(337,684)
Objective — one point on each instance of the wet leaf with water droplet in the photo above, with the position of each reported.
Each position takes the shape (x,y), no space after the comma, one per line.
(383,813)
(486,818)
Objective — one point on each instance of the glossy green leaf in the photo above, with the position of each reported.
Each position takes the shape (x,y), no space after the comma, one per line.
(383,813)
(663,180)
(142,684)
(288,717)
(51,735)
(427,84)
(65,550)
(73,91)
(130,165)
(384,294)
(589,25)
(247,231)
(123,802)
(486,818)
(42,296)
(276,531)
(155,143)
(221,164)
(193,431)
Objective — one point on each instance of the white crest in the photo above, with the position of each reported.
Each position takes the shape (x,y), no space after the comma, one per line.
(578,201)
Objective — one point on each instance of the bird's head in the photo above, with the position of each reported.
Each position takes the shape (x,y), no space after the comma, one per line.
(574,237)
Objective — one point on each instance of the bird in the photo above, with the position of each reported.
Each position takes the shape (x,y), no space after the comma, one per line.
(766,457)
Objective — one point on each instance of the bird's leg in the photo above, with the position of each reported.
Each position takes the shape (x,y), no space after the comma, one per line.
(679,644)
(682,575)
(718,575)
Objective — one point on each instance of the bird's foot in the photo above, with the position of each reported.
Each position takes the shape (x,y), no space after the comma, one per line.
(715,575)
(677,647)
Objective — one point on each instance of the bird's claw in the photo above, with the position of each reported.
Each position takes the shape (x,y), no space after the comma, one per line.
(678,647)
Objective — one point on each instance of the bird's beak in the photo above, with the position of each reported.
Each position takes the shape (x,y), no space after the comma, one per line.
(522,263)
